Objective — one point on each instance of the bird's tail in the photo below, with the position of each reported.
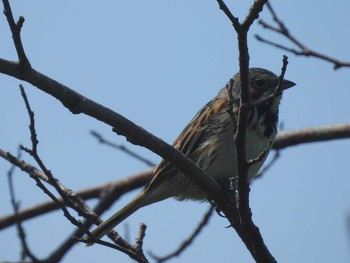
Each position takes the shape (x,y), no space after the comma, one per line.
(118,217)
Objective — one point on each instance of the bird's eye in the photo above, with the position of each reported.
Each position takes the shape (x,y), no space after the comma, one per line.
(260,83)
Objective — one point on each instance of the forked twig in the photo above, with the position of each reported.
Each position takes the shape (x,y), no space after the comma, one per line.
(301,49)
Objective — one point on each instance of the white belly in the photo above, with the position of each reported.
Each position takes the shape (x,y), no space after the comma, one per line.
(226,163)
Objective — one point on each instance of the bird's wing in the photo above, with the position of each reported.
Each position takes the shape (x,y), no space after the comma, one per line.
(190,138)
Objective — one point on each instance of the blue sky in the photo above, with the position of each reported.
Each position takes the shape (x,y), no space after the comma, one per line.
(157,63)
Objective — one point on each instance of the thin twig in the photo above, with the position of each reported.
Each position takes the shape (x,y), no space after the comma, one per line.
(122,148)
(234,20)
(114,246)
(34,153)
(140,236)
(302,49)
(121,245)
(277,91)
(230,110)
(26,252)
(281,76)
(267,166)
(283,140)
(253,13)
(120,187)
(16,35)
(261,156)
(188,241)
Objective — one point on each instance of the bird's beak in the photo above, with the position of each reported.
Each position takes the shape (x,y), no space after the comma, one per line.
(286,84)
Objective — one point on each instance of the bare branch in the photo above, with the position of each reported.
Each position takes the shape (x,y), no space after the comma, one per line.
(261,156)
(253,13)
(277,91)
(188,241)
(302,49)
(281,76)
(77,103)
(120,186)
(53,181)
(241,219)
(284,139)
(77,203)
(122,148)
(316,134)
(140,236)
(234,20)
(113,194)
(230,110)
(266,167)
(16,35)
(134,256)
(15,204)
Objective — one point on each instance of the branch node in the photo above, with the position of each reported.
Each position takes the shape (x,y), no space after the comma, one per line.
(301,50)
(20,22)
(140,236)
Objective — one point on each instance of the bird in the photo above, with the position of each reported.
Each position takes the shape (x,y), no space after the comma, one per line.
(208,140)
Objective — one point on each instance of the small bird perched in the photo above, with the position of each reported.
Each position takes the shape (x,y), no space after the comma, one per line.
(208,140)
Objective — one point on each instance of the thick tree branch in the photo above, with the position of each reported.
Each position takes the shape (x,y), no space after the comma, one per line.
(314,134)
(284,139)
(78,104)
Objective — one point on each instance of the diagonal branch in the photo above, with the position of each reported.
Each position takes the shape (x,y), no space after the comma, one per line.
(78,104)
(234,20)
(301,49)
(15,28)
(188,241)
(33,151)
(253,13)
(122,148)
(284,139)
(115,190)
(120,187)
(26,252)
